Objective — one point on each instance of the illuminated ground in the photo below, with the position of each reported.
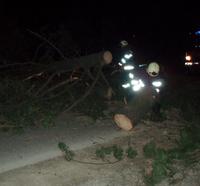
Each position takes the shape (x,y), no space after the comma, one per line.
(37,145)
(59,172)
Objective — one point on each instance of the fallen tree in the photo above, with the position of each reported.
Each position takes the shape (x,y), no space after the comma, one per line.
(50,80)
(85,62)
(41,88)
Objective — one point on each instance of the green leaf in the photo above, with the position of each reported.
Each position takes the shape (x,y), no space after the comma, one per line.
(69,155)
(118,152)
(62,146)
(107,150)
(161,156)
(159,172)
(131,153)
(100,153)
(150,150)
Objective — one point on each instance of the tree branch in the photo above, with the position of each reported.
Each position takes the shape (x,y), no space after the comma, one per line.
(45,84)
(87,92)
(46,40)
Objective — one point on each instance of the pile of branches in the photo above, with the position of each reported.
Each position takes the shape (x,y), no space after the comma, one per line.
(53,78)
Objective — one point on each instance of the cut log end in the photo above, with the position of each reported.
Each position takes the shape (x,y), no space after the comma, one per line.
(123,122)
(107,57)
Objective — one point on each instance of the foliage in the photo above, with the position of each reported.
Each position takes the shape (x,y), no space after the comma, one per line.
(187,146)
(116,151)
(69,155)
(150,150)
(131,153)
(183,93)
(161,163)
(187,150)
(21,109)
(92,106)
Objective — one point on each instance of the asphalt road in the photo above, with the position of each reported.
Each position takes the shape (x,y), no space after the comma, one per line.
(36,145)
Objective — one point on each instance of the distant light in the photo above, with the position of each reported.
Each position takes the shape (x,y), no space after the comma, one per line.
(128,56)
(126,85)
(128,67)
(196,63)
(131,76)
(119,64)
(188,58)
(197,33)
(123,60)
(156,83)
(188,63)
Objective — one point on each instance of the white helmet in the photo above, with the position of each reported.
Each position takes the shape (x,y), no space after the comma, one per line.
(153,69)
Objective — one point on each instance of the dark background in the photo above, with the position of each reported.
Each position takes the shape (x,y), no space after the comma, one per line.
(155,30)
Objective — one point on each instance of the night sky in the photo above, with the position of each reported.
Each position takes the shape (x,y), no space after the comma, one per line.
(155,30)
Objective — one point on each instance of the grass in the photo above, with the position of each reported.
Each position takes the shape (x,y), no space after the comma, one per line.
(181,93)
(187,151)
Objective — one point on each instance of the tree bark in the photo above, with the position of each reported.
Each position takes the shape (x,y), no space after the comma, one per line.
(85,62)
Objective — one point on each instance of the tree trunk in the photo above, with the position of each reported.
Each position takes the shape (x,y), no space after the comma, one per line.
(85,62)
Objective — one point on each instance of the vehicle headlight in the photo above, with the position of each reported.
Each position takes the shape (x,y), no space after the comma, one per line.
(157,83)
(188,58)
